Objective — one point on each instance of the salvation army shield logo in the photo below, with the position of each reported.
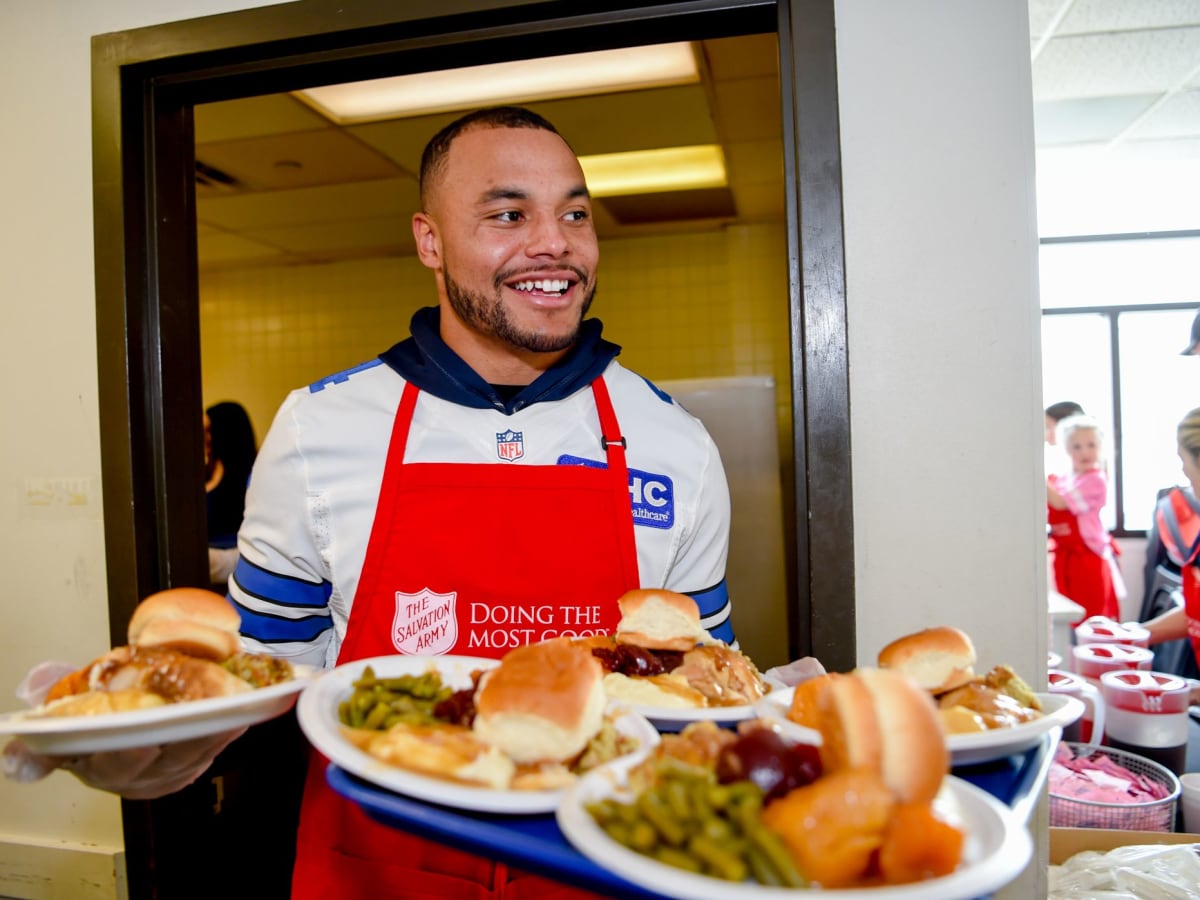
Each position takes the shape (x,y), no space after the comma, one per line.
(510,445)
(424,622)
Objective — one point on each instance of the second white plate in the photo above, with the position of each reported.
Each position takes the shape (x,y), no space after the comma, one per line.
(317,715)
(997,848)
(174,722)
(1058,710)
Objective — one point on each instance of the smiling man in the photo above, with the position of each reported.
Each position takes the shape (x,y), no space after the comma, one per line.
(495,479)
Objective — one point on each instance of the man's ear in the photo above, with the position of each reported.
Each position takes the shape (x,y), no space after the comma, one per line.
(429,246)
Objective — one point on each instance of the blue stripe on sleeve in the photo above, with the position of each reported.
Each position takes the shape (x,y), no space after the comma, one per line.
(280,589)
(714,611)
(273,629)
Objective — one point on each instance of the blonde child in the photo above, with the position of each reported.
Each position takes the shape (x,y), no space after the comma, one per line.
(1084,566)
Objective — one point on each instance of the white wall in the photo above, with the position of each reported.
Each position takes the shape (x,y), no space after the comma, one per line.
(945,384)
(936,116)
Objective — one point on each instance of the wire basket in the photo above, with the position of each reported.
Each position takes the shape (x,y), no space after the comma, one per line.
(1152,815)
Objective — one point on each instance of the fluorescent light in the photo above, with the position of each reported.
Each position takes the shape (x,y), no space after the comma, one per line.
(573,75)
(651,171)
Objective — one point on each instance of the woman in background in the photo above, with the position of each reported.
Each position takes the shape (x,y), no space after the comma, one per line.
(1178,524)
(1084,566)
(229,452)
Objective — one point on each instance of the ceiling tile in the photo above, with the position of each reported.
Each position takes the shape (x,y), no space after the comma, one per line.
(384,198)
(748,109)
(1115,64)
(381,237)
(1092,16)
(255,117)
(742,57)
(1093,119)
(297,159)
(1177,116)
(223,247)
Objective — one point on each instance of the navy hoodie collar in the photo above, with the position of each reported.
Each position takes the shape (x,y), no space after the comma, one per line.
(426,361)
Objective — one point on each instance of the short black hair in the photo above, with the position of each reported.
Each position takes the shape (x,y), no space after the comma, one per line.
(433,158)
(1063,408)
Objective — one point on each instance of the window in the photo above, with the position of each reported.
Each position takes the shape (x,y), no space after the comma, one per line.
(1116,311)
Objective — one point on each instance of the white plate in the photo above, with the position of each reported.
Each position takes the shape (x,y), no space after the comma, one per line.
(169,724)
(996,850)
(675,718)
(317,714)
(1058,710)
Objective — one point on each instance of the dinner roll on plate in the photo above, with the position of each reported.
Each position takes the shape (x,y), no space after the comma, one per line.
(544,702)
(938,659)
(193,621)
(659,619)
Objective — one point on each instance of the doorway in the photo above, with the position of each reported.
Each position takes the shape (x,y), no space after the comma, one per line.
(146,84)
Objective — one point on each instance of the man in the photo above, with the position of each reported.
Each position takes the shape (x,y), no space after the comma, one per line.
(497,468)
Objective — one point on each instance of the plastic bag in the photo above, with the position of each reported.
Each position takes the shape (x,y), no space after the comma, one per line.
(1137,872)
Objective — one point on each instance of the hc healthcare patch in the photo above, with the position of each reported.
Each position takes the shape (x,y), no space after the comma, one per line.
(652,496)
(510,445)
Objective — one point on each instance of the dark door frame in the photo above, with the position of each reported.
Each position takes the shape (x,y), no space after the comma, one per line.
(144,85)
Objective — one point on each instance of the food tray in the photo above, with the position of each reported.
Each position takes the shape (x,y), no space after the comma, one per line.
(1154,815)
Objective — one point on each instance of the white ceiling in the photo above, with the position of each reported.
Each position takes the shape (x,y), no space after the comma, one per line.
(1121,74)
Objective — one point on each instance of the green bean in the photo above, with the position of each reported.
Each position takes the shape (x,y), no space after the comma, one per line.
(718,860)
(659,815)
(762,841)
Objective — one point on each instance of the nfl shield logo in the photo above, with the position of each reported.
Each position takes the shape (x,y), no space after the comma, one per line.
(424,622)
(510,445)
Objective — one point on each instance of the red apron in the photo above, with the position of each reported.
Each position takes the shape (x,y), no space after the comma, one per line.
(1178,525)
(1080,574)
(469,559)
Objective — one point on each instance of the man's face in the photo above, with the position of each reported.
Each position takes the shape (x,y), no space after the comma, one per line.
(509,231)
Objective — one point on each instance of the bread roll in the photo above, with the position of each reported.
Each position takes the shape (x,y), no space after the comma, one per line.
(196,622)
(544,701)
(660,620)
(938,659)
(881,720)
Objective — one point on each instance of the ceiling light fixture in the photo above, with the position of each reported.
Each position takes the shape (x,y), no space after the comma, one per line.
(652,171)
(547,78)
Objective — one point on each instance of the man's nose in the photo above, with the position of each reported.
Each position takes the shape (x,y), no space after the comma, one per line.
(548,237)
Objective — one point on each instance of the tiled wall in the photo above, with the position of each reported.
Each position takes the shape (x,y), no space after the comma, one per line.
(681,306)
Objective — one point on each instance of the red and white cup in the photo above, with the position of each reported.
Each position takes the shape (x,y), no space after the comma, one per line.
(1093,660)
(1103,630)
(1090,727)
(1147,713)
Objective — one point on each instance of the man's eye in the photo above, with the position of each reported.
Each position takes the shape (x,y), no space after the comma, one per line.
(509,216)
(578,215)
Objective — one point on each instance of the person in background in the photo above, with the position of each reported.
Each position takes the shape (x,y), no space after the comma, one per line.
(1055,413)
(229,452)
(1177,521)
(1193,344)
(1084,565)
(498,465)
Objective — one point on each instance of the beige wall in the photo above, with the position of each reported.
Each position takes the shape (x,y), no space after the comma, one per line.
(936,118)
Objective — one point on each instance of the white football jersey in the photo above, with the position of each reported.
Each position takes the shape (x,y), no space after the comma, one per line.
(315,486)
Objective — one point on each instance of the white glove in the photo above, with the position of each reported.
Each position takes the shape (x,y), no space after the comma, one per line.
(795,672)
(139,773)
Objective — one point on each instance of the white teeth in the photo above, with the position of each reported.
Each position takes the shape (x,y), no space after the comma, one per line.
(546,286)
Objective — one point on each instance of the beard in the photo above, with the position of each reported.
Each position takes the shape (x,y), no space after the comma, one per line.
(488,316)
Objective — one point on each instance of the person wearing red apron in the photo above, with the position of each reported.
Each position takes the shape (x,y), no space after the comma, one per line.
(1177,521)
(1080,574)
(532,535)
